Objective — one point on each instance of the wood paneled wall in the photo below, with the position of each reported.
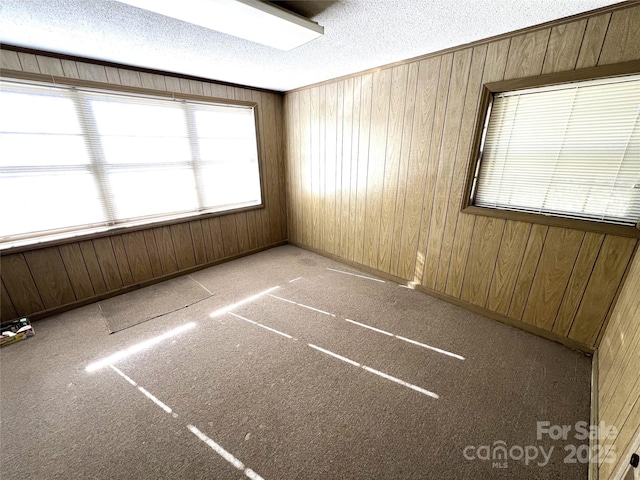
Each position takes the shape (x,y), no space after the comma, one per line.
(618,379)
(45,279)
(376,165)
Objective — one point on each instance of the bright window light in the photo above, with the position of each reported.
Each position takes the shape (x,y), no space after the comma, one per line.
(138,347)
(75,160)
(244,301)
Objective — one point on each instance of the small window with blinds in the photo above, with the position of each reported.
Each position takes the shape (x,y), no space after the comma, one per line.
(81,160)
(570,150)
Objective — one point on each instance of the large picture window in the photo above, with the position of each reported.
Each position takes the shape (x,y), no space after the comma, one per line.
(74,159)
(570,150)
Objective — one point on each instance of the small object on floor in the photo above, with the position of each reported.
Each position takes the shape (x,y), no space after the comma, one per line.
(15,331)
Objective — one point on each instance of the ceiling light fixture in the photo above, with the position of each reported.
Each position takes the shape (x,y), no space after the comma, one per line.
(252,20)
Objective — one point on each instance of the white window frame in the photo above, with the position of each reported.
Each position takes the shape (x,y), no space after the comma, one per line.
(115,226)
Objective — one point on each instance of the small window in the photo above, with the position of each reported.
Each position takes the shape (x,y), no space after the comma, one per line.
(80,160)
(569,150)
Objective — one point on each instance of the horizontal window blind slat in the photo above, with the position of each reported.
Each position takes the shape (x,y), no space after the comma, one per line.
(572,151)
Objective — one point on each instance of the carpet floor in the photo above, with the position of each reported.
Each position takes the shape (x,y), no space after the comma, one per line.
(296,367)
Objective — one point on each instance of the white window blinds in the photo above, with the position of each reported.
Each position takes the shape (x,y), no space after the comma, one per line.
(570,150)
(76,159)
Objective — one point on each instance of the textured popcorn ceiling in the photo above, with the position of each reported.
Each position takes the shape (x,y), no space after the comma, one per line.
(359,34)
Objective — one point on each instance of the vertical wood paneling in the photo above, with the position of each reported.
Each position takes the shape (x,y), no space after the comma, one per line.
(122,260)
(296,169)
(564,45)
(216,237)
(272,226)
(577,282)
(272,220)
(293,135)
(593,40)
(355,155)
(514,241)
(166,250)
(494,66)
(198,242)
(7,310)
(20,286)
(344,197)
(527,271)
(604,282)
(526,54)
(446,162)
(153,81)
(618,365)
(376,164)
(366,94)
(403,169)
(9,60)
(442,97)
(314,166)
(29,62)
(152,251)
(70,69)
(320,170)
(338,169)
(280,164)
(130,78)
(50,65)
(96,73)
(108,264)
(305,167)
(207,241)
(93,266)
(113,76)
(288,150)
(622,42)
(389,194)
(137,256)
(428,73)
(50,276)
(330,229)
(255,219)
(552,275)
(461,159)
(77,270)
(229,235)
(485,243)
(183,245)
(243,231)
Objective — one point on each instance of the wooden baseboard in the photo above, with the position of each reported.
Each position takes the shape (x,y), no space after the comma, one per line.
(86,301)
(568,342)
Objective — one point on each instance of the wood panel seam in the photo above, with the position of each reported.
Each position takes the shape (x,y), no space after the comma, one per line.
(413,119)
(555,318)
(584,33)
(454,157)
(395,206)
(604,39)
(585,288)
(614,301)
(495,265)
(426,172)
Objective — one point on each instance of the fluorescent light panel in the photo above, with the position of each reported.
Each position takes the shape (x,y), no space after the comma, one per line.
(252,20)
